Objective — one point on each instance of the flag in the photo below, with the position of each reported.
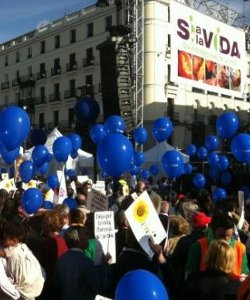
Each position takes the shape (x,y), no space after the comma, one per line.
(62,187)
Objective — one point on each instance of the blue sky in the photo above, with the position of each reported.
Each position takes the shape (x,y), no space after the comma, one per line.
(20,16)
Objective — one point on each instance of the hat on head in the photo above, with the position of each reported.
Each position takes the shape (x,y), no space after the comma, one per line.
(200,220)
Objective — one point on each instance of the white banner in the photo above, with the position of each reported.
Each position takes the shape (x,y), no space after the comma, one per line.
(206,53)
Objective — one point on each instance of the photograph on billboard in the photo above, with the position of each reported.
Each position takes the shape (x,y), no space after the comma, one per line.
(206,53)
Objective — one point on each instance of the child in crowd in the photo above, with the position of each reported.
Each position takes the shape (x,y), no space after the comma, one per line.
(22,267)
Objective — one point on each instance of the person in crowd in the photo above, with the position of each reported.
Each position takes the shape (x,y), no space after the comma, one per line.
(76,277)
(178,259)
(215,282)
(22,266)
(51,247)
(81,199)
(222,227)
(179,227)
(64,210)
(76,217)
(122,225)
(94,249)
(115,199)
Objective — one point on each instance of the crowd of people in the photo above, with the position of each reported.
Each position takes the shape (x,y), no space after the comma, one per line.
(53,254)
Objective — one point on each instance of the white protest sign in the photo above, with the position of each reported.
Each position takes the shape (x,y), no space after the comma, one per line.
(5,176)
(105,232)
(145,223)
(241,209)
(96,201)
(99,186)
(98,297)
(82,178)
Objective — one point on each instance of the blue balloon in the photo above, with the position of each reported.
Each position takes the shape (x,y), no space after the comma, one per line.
(9,156)
(227,124)
(97,133)
(87,110)
(145,174)
(14,127)
(70,173)
(240,147)
(76,141)
(219,194)
(26,171)
(62,147)
(212,143)
(202,153)
(173,165)
(154,170)
(114,124)
(223,163)
(53,181)
(190,149)
(38,137)
(188,168)
(162,129)
(44,168)
(70,202)
(48,205)
(138,158)
(199,180)
(32,200)
(140,135)
(40,155)
(74,154)
(134,170)
(140,284)
(213,158)
(226,178)
(115,154)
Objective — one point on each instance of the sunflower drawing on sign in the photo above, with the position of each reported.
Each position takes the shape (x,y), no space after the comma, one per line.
(141,211)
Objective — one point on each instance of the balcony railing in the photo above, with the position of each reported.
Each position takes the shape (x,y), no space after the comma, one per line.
(71,67)
(55,97)
(70,94)
(27,101)
(41,75)
(5,85)
(88,61)
(56,71)
(27,80)
(40,100)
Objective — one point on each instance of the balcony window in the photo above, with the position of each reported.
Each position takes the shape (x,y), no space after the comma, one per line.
(42,47)
(108,23)
(90,30)
(72,36)
(57,41)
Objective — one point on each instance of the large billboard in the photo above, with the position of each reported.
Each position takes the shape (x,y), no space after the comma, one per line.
(206,53)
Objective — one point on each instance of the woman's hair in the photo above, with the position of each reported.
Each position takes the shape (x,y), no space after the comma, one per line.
(221,220)
(77,216)
(52,222)
(15,230)
(179,225)
(220,257)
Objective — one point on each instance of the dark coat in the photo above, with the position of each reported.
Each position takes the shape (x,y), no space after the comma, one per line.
(207,285)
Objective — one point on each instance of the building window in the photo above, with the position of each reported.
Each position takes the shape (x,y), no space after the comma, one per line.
(89,56)
(6,100)
(17,74)
(41,120)
(90,29)
(57,63)
(108,23)
(42,94)
(42,47)
(56,117)
(29,55)
(17,57)
(71,117)
(6,61)
(72,36)
(29,70)
(89,80)
(57,41)
(72,85)
(56,89)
